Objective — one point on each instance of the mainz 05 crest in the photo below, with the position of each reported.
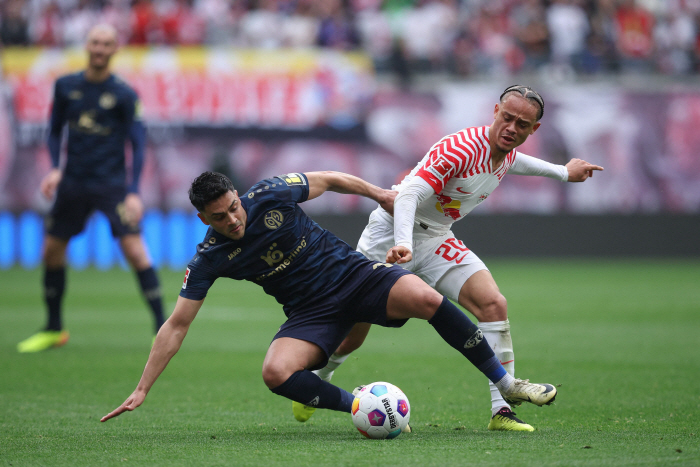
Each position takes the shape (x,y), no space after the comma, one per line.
(273,219)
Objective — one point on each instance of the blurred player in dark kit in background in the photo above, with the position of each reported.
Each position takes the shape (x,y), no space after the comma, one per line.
(101,112)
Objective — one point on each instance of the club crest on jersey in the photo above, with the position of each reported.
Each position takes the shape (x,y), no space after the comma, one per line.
(293,179)
(482,198)
(273,219)
(187,276)
(107,100)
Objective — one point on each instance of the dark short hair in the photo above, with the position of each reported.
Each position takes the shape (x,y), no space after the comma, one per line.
(208,187)
(528,93)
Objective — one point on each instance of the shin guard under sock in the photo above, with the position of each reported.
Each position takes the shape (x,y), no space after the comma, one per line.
(498,335)
(308,389)
(466,337)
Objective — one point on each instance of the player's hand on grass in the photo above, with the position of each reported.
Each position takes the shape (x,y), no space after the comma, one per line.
(133,208)
(399,255)
(133,401)
(580,170)
(50,182)
(387,200)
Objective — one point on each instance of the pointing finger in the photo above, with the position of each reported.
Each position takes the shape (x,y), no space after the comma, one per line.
(114,413)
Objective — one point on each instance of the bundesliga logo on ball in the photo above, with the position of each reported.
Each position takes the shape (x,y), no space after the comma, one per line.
(380,411)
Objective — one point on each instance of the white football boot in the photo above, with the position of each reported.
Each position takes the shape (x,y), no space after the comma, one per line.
(522,390)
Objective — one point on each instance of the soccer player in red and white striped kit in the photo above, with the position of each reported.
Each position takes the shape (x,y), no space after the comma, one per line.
(458,173)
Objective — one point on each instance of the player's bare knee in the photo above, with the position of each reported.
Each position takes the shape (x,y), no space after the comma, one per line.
(138,262)
(137,259)
(51,260)
(53,256)
(135,252)
(494,309)
(275,374)
(429,301)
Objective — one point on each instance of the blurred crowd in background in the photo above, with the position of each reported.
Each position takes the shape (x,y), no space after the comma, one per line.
(461,37)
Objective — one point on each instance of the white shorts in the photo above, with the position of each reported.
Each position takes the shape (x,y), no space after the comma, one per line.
(443,262)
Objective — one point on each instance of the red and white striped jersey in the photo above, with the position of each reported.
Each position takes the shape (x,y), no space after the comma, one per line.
(459,169)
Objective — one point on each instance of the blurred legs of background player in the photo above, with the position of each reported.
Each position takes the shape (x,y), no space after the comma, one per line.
(54,258)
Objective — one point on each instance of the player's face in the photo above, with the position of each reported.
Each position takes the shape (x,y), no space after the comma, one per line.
(226,215)
(101,45)
(513,121)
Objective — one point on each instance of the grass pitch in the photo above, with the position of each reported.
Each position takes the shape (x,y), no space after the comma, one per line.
(620,337)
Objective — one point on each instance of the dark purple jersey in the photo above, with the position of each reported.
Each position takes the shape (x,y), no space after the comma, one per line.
(283,250)
(100,117)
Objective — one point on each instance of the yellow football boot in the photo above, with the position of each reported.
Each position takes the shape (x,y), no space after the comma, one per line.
(43,340)
(505,420)
(302,412)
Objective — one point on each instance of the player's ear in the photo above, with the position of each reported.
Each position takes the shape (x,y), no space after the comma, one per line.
(536,126)
(202,218)
(495,111)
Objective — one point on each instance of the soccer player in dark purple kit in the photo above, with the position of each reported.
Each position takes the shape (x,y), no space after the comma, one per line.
(323,285)
(101,113)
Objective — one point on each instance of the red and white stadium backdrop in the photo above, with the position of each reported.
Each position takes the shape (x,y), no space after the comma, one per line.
(200,104)
(293,89)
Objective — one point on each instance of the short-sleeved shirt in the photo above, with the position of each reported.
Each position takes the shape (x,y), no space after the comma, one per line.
(283,250)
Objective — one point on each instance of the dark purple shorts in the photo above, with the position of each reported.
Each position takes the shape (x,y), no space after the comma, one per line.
(361,297)
(75,204)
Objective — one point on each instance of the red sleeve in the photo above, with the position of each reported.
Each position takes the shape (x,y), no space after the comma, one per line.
(445,161)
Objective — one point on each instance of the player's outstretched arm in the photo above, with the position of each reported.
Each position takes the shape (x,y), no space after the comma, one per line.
(580,170)
(320,182)
(134,400)
(167,343)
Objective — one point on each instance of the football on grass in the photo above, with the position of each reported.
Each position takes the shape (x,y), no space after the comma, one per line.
(380,411)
